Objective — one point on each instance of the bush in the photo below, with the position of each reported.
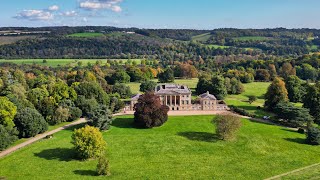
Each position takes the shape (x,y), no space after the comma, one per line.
(313,136)
(29,123)
(227,126)
(301,131)
(101,117)
(61,115)
(241,111)
(7,136)
(75,113)
(103,166)
(149,112)
(88,142)
(252,99)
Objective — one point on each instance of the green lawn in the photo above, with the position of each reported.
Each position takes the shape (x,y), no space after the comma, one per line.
(61,62)
(202,37)
(184,148)
(86,35)
(257,89)
(309,173)
(217,46)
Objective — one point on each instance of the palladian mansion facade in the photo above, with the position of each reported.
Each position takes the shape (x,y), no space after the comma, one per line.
(179,98)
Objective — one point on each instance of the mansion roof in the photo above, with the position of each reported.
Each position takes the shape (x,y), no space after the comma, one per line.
(207,95)
(171,89)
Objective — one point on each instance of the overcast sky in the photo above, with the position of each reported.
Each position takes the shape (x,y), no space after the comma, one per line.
(191,14)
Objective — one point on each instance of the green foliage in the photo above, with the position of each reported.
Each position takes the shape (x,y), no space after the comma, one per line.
(149,112)
(167,76)
(313,136)
(101,117)
(103,167)
(147,86)
(29,123)
(276,93)
(7,136)
(262,75)
(86,105)
(295,88)
(61,115)
(88,142)
(119,76)
(227,126)
(75,113)
(292,115)
(123,90)
(116,104)
(252,99)
(234,86)
(7,112)
(215,85)
(93,90)
(241,111)
(312,101)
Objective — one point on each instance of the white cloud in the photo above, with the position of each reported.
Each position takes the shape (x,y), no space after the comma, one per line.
(53,8)
(112,5)
(35,15)
(69,13)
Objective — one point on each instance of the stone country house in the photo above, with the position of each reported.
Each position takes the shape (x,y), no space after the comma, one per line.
(178,98)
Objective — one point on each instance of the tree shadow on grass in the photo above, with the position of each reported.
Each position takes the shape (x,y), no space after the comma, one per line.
(85,172)
(125,123)
(199,136)
(296,140)
(61,154)
(78,126)
(290,130)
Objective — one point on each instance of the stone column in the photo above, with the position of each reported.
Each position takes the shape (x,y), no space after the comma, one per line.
(170,100)
(175,100)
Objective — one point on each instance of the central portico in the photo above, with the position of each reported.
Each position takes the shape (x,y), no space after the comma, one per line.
(176,97)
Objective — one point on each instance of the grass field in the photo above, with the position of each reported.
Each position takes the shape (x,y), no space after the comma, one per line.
(86,35)
(309,173)
(217,46)
(251,38)
(202,37)
(184,148)
(60,62)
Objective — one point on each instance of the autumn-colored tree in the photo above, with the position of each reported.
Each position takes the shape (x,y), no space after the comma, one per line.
(149,112)
(276,93)
(272,71)
(287,70)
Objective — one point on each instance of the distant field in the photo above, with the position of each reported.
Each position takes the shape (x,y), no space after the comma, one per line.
(12,39)
(252,38)
(217,46)
(86,35)
(61,62)
(201,37)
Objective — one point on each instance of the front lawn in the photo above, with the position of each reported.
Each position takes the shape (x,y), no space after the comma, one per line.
(184,148)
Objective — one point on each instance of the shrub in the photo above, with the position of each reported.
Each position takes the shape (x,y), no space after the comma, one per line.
(241,111)
(301,131)
(75,113)
(88,142)
(61,115)
(313,136)
(252,99)
(101,117)
(7,136)
(29,123)
(103,166)
(227,126)
(149,112)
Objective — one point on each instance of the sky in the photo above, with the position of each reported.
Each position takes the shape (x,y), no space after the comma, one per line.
(172,14)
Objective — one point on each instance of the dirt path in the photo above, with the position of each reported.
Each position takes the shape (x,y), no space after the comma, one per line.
(40,136)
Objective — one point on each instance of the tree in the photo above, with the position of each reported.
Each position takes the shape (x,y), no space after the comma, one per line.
(312,101)
(118,77)
(86,105)
(262,75)
(215,85)
(147,86)
(252,99)
(29,123)
(295,88)
(7,136)
(227,126)
(92,90)
(292,115)
(61,115)
(287,70)
(88,142)
(276,93)
(123,90)
(149,112)
(101,117)
(167,76)
(313,136)
(103,166)
(7,112)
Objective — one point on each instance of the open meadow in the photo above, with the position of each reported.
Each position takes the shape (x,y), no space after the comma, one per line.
(183,148)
